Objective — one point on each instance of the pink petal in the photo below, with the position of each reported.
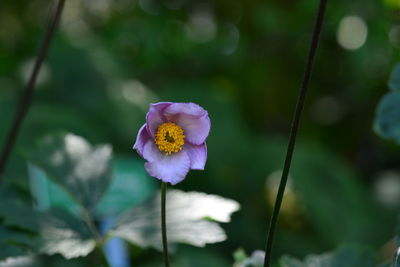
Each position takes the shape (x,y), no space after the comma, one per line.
(141,139)
(197,155)
(155,117)
(192,118)
(168,168)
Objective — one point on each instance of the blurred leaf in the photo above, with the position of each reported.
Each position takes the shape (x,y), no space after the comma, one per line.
(239,255)
(9,250)
(14,243)
(82,170)
(394,82)
(186,214)
(387,120)
(393,3)
(255,260)
(62,232)
(13,236)
(49,194)
(130,185)
(21,261)
(342,257)
(319,178)
(16,214)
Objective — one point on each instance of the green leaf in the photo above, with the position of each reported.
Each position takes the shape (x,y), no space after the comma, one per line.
(187,220)
(394,82)
(255,260)
(130,185)
(82,170)
(15,237)
(239,255)
(393,3)
(18,215)
(15,243)
(387,120)
(342,257)
(317,174)
(62,232)
(20,261)
(8,251)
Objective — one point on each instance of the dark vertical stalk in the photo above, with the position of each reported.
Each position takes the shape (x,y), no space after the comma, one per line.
(163,224)
(26,98)
(294,129)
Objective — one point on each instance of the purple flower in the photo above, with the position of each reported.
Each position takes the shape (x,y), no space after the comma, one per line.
(173,140)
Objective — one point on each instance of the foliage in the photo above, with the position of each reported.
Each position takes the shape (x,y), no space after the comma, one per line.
(342,257)
(387,122)
(242,61)
(191,219)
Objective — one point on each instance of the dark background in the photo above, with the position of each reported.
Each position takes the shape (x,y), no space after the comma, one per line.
(243,62)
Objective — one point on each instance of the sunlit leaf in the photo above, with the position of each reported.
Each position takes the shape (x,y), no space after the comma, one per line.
(8,251)
(66,234)
(20,261)
(387,120)
(82,170)
(342,257)
(15,243)
(255,260)
(188,220)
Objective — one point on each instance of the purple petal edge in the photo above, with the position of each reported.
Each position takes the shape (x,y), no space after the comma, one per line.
(155,117)
(197,155)
(141,139)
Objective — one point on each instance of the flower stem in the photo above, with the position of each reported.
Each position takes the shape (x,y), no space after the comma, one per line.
(26,97)
(163,224)
(294,129)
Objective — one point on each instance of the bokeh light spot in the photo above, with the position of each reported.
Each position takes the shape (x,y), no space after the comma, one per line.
(352,32)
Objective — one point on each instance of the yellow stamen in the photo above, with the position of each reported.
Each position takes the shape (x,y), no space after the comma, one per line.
(169,138)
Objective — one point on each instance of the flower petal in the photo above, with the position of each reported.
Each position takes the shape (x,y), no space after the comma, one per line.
(141,139)
(155,116)
(192,118)
(168,168)
(197,155)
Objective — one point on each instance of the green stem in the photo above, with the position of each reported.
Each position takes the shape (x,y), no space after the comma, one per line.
(163,224)
(294,130)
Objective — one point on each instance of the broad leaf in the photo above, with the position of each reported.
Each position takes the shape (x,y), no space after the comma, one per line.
(21,261)
(8,252)
(342,257)
(15,243)
(394,82)
(66,234)
(18,215)
(387,120)
(255,260)
(82,170)
(129,186)
(188,221)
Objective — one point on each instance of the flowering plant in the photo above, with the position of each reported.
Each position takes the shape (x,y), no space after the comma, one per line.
(173,140)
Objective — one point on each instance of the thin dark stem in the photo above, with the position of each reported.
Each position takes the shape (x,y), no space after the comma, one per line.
(100,242)
(294,130)
(26,97)
(163,224)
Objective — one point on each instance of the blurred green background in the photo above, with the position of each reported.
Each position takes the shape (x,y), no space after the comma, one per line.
(243,62)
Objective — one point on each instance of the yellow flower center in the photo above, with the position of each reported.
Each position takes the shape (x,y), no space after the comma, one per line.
(169,138)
